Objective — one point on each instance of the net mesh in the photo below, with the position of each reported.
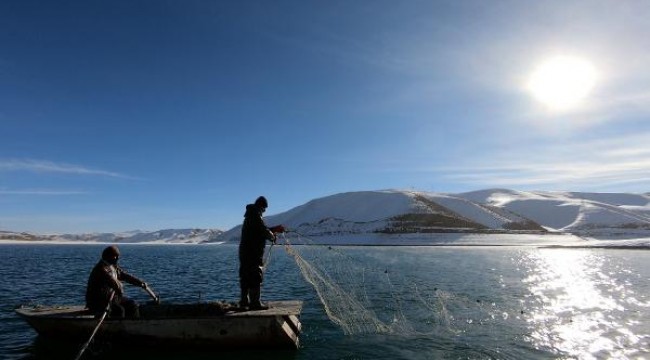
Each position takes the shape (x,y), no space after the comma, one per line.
(364,298)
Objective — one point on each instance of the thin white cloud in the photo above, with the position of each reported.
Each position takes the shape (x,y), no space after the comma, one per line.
(43,166)
(617,107)
(557,176)
(600,164)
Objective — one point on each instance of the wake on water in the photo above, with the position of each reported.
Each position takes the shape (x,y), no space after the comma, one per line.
(366,299)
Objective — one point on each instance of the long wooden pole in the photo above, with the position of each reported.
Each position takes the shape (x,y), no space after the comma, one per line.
(101,320)
(155,297)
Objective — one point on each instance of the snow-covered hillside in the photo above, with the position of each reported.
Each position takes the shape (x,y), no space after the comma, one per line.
(399,213)
(486,211)
(592,214)
(175,236)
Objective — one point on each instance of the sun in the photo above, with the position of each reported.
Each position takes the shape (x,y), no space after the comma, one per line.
(562,82)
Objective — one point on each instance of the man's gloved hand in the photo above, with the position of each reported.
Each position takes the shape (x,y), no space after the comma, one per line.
(143,285)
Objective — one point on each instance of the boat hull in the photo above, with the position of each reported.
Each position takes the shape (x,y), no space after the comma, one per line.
(277,327)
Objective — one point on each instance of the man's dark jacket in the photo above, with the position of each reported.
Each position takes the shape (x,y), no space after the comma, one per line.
(254,234)
(103,278)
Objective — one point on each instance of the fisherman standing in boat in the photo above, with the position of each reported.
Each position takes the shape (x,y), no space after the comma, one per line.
(254,234)
(105,279)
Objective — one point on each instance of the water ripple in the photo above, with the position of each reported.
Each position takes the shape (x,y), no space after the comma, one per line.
(580,305)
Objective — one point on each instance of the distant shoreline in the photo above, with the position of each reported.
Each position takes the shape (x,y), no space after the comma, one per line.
(557,241)
(612,247)
(48,242)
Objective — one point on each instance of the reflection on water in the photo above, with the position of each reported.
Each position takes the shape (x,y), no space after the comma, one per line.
(576,305)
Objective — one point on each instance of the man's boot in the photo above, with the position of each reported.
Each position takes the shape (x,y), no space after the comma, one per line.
(255,293)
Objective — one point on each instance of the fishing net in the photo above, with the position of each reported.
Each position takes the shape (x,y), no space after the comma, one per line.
(364,297)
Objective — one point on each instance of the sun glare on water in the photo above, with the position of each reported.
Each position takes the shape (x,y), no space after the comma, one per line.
(562,82)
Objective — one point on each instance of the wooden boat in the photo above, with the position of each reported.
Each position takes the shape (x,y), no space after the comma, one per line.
(213,325)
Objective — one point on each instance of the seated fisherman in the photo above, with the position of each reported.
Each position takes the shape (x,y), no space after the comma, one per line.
(106,278)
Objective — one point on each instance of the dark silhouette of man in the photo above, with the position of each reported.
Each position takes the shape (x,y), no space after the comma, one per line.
(104,280)
(254,234)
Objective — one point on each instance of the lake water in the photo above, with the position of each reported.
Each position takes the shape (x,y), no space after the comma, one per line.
(435,302)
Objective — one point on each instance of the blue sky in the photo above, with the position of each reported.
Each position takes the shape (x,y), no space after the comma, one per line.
(122,115)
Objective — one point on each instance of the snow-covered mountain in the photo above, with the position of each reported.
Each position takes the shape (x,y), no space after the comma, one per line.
(485,211)
(594,214)
(402,213)
(177,236)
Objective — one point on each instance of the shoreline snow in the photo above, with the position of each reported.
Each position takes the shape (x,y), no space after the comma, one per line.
(439,239)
